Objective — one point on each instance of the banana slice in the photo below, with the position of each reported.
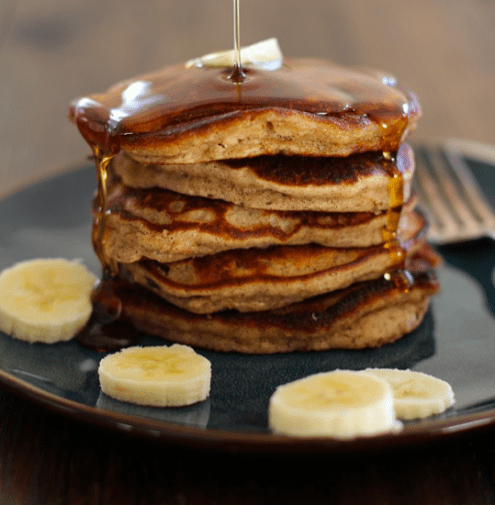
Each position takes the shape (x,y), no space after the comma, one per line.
(45,300)
(265,55)
(416,395)
(340,404)
(157,376)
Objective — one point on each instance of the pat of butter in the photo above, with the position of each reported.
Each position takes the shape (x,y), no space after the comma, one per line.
(265,55)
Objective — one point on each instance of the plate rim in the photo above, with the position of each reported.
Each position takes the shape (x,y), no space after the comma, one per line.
(182,435)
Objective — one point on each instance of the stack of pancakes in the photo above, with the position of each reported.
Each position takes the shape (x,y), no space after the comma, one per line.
(271,226)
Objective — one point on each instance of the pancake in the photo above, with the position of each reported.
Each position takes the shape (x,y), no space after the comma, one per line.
(166,226)
(307,107)
(358,183)
(258,216)
(369,314)
(264,279)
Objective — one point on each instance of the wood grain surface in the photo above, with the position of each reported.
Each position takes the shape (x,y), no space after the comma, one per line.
(55,50)
(48,459)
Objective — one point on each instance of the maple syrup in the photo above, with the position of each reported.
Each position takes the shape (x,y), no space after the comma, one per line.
(102,161)
(237,74)
(106,330)
(390,237)
(397,273)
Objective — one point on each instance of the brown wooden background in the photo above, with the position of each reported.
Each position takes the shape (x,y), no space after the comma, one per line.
(56,50)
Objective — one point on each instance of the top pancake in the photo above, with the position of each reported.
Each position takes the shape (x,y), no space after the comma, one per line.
(307,107)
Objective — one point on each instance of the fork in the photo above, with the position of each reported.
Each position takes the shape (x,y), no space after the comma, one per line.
(458,212)
(451,197)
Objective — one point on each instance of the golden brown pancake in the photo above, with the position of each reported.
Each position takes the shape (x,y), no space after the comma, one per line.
(368,314)
(264,279)
(166,226)
(307,107)
(233,196)
(358,183)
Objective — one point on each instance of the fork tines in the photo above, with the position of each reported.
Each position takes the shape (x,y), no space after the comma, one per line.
(451,197)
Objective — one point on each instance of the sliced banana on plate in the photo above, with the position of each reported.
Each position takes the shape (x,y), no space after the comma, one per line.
(158,376)
(45,300)
(340,404)
(416,395)
(265,55)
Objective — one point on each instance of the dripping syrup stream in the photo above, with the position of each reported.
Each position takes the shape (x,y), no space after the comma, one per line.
(102,163)
(237,74)
(105,331)
(391,239)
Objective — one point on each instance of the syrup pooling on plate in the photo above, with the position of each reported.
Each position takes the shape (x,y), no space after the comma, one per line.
(106,330)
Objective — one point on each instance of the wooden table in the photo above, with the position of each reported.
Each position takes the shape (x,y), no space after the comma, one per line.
(48,459)
(56,50)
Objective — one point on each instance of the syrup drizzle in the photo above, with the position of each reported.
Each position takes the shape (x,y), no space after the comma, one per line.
(237,76)
(397,273)
(105,331)
(99,222)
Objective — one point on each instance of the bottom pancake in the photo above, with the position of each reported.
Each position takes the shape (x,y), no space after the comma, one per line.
(367,314)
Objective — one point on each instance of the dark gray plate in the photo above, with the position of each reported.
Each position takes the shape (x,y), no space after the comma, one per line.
(456,342)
